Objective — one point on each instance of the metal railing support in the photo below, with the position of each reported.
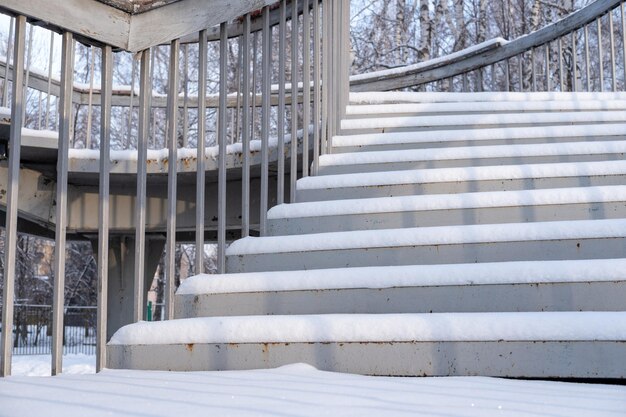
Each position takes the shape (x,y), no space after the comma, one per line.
(265,118)
(103,206)
(282,41)
(65,136)
(172,143)
(245,136)
(200,148)
(293,173)
(145,89)
(316,86)
(221,139)
(306,85)
(10,237)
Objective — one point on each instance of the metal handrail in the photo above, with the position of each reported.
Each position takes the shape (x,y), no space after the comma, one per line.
(465,63)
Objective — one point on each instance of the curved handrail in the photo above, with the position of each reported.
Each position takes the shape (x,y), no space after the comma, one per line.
(463,64)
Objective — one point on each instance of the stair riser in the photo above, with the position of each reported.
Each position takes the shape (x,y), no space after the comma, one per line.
(431,254)
(456,187)
(451,163)
(470,126)
(565,359)
(580,296)
(503,113)
(459,143)
(489,215)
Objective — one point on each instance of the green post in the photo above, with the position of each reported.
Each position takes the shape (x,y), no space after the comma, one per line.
(149,312)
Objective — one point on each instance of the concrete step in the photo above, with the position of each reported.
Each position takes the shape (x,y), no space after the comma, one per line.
(460,180)
(485,107)
(559,240)
(574,203)
(572,285)
(477,121)
(538,344)
(494,136)
(346,163)
(398,97)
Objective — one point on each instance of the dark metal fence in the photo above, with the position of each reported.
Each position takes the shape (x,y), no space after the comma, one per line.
(32,329)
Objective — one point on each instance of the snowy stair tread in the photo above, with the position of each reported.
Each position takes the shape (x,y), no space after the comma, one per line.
(554,240)
(544,344)
(479,120)
(460,179)
(484,107)
(469,156)
(501,135)
(572,285)
(573,203)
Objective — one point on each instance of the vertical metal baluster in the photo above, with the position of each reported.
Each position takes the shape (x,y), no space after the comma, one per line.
(29,59)
(344,56)
(103,207)
(265,118)
(65,132)
(5,88)
(200,150)
(306,85)
(520,62)
(245,137)
(548,75)
(600,54)
(293,174)
(10,237)
(129,136)
(612,55)
(254,73)
(90,97)
(561,78)
(145,90)
(507,76)
(49,86)
(492,82)
(185,95)
(238,73)
(172,143)
(574,62)
(282,35)
(325,76)
(587,69)
(316,86)
(623,14)
(221,139)
(532,69)
(153,110)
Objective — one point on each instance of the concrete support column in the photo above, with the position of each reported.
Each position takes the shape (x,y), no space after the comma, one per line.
(121,285)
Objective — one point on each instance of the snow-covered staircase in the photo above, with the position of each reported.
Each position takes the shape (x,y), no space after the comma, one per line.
(447,234)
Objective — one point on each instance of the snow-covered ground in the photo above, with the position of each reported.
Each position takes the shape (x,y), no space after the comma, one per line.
(299,390)
(39,365)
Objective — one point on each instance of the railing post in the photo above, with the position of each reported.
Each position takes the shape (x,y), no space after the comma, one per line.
(5,88)
(293,173)
(221,139)
(10,237)
(280,152)
(245,132)
(325,75)
(265,118)
(65,133)
(145,90)
(172,143)
(200,150)
(316,86)
(103,207)
(306,85)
